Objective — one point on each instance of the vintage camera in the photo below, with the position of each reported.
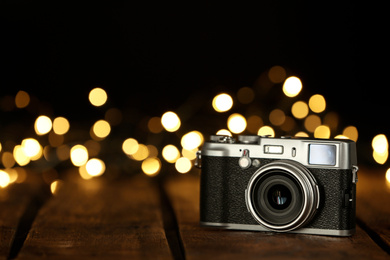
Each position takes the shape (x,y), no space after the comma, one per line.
(296,185)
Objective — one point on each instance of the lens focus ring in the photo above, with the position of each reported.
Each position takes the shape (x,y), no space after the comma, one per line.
(282,195)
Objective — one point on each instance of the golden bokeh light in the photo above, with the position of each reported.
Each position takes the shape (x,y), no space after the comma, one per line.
(32,148)
(170,153)
(13,175)
(183,165)
(322,131)
(101,129)
(55,186)
(154,125)
(7,160)
(20,157)
(277,117)
(380,158)
(388,175)
(301,134)
(236,123)
(224,132)
(380,147)
(222,102)
(42,125)
(380,144)
(130,146)
(317,103)
(141,154)
(292,86)
(266,131)
(97,97)
(192,140)
(312,122)
(340,137)
(95,167)
(4,179)
(300,109)
(351,133)
(22,99)
(189,154)
(83,172)
(245,95)
(170,121)
(79,155)
(151,166)
(277,74)
(61,125)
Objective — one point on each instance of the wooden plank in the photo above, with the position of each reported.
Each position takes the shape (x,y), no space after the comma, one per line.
(18,203)
(373,206)
(99,219)
(208,243)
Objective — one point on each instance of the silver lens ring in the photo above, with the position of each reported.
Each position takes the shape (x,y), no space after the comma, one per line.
(296,178)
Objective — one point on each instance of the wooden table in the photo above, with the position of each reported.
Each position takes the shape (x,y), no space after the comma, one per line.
(140,218)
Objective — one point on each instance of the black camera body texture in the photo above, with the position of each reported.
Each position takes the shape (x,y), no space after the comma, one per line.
(279,184)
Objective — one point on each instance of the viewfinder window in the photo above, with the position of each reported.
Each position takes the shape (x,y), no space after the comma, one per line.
(322,154)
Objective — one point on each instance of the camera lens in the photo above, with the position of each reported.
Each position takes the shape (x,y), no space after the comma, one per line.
(282,195)
(277,197)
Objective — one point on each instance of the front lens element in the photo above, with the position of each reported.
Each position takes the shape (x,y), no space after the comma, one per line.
(279,197)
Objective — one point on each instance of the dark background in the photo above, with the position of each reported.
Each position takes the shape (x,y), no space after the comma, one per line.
(152,57)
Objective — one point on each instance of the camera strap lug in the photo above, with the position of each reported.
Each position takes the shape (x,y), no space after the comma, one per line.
(355,169)
(198,159)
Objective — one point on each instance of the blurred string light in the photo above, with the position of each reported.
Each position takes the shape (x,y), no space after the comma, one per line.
(43,125)
(79,155)
(170,153)
(61,125)
(300,109)
(224,132)
(266,131)
(183,165)
(380,148)
(292,86)
(170,121)
(222,102)
(236,123)
(388,176)
(4,179)
(192,140)
(22,99)
(100,130)
(317,103)
(151,166)
(97,97)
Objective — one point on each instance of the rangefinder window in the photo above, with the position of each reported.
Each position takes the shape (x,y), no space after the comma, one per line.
(322,154)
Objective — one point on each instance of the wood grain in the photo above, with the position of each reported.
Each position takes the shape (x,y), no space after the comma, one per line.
(373,204)
(209,243)
(99,219)
(17,202)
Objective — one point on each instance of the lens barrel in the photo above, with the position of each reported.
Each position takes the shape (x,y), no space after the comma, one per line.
(282,195)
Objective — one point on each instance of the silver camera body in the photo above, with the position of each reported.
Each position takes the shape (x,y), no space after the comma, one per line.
(285,184)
